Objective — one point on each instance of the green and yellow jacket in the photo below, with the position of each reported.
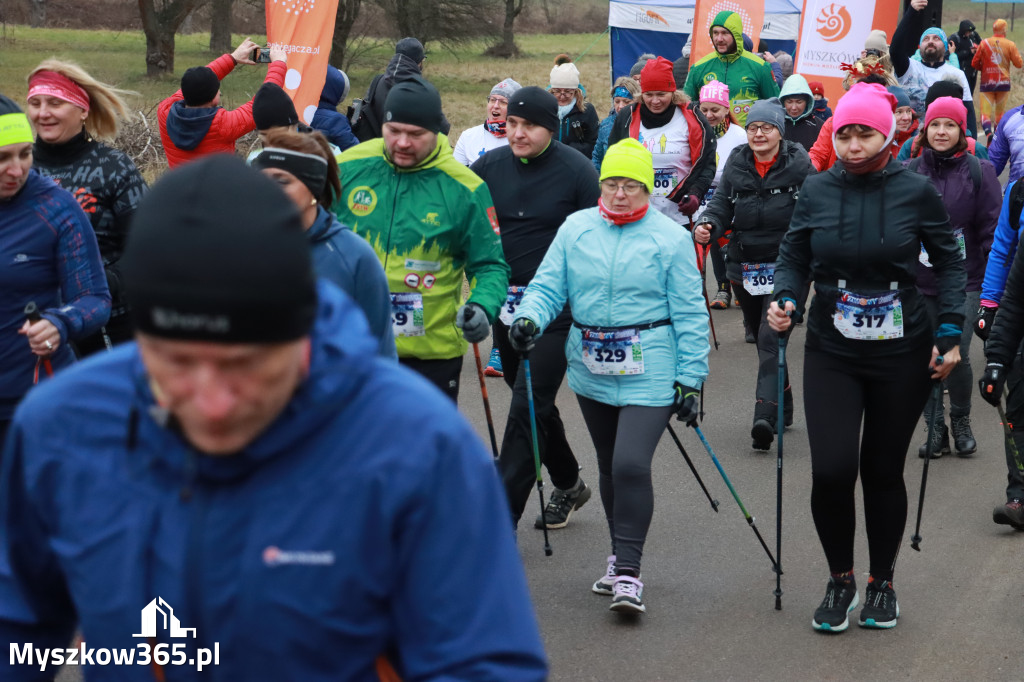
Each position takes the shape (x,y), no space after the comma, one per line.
(428,225)
(748,76)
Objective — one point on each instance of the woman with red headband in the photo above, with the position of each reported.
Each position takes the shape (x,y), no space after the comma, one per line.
(71,112)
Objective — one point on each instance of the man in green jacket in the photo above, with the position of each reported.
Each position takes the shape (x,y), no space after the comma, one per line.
(748,76)
(431,221)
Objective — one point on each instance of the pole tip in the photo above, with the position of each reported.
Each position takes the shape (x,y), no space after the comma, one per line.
(548,551)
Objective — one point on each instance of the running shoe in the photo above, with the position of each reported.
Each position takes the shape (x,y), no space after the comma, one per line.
(833,614)
(628,595)
(880,606)
(1010,514)
(722,299)
(562,504)
(606,584)
(493,368)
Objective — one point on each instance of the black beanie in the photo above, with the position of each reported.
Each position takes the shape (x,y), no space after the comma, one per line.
(536,105)
(411,48)
(943,88)
(273,107)
(217,252)
(415,102)
(199,85)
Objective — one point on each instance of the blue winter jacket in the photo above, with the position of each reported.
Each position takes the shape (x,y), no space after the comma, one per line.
(349,262)
(601,146)
(1004,248)
(49,256)
(1008,144)
(334,125)
(619,276)
(340,533)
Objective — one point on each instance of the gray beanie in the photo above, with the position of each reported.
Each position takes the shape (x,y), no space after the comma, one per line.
(506,88)
(640,63)
(768,111)
(902,99)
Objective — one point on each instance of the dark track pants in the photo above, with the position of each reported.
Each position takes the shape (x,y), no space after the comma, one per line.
(442,373)
(766,391)
(1015,415)
(861,415)
(625,439)
(547,369)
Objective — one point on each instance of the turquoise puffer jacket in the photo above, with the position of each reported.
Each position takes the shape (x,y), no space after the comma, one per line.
(621,276)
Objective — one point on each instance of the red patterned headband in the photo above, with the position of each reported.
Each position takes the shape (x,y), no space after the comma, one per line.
(57,85)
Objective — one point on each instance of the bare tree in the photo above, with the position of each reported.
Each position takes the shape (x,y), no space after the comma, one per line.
(344,19)
(160,21)
(446,21)
(37,13)
(507,47)
(220,26)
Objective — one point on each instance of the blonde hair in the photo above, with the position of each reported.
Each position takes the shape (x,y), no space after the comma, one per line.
(106,103)
(627,82)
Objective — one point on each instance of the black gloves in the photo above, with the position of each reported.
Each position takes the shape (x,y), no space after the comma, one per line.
(992,382)
(522,334)
(983,322)
(472,320)
(686,404)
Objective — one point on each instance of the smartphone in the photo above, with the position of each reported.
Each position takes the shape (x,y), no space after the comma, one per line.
(261,55)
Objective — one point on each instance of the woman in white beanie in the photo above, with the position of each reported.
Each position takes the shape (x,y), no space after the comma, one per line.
(577,119)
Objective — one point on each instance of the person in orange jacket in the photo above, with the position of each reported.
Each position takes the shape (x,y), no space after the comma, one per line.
(993,59)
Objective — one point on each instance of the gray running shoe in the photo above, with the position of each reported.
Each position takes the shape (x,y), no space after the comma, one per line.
(562,504)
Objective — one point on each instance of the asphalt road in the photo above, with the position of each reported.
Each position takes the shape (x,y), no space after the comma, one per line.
(709,585)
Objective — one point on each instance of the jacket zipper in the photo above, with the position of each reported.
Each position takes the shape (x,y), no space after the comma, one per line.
(198,499)
(391,223)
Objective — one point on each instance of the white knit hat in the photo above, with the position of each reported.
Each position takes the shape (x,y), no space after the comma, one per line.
(565,76)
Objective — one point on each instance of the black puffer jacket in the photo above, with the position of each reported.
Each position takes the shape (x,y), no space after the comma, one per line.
(579,129)
(108,187)
(868,230)
(757,209)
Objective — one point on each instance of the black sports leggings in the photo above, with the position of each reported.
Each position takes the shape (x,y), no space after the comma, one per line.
(887,396)
(625,439)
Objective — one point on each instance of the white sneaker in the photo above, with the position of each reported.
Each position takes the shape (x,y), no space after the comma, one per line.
(605,585)
(628,592)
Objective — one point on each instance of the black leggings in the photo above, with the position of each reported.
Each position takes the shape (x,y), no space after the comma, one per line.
(625,439)
(887,394)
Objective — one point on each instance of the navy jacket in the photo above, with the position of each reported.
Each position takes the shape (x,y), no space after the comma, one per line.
(49,256)
(339,534)
(334,125)
(348,261)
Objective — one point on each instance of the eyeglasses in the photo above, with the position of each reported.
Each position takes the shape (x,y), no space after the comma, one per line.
(562,92)
(765,128)
(630,188)
(500,101)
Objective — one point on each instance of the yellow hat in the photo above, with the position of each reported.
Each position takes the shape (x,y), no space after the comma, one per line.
(629,159)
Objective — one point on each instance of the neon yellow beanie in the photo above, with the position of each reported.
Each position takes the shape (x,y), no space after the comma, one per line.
(629,159)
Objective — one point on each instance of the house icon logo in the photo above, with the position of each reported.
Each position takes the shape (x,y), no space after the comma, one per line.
(159,611)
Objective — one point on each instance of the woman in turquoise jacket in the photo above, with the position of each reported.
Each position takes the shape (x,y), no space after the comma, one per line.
(638,347)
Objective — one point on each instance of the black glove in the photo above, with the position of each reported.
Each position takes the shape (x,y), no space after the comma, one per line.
(686,404)
(472,320)
(992,382)
(983,322)
(522,334)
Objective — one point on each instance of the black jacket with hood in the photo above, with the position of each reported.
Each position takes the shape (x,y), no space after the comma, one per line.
(868,230)
(805,127)
(758,210)
(400,68)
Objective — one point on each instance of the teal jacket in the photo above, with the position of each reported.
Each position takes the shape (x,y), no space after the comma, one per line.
(620,276)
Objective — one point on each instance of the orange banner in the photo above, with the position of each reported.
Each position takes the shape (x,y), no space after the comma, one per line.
(833,32)
(303,29)
(750,11)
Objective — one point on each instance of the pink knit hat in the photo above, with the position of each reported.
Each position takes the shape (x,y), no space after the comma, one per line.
(947,107)
(867,104)
(715,92)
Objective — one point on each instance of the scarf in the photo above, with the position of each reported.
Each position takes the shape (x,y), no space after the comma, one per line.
(621,219)
(496,128)
(563,111)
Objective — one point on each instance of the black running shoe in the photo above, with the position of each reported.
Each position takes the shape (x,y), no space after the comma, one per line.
(880,606)
(833,615)
(1010,514)
(562,504)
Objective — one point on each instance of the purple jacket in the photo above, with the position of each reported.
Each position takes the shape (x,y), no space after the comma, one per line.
(976,213)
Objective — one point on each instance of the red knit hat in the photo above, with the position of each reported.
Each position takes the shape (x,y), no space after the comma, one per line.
(656,76)
(816,88)
(947,107)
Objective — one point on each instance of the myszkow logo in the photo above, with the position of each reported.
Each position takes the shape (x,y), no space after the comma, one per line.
(834,23)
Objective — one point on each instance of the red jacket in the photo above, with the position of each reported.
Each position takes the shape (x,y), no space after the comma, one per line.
(190,132)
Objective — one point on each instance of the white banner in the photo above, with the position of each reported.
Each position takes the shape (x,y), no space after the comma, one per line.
(650,17)
(833,33)
(781,27)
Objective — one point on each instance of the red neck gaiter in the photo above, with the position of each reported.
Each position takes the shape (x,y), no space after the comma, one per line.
(621,219)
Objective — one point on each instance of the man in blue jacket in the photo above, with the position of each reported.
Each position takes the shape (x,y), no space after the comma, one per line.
(293,506)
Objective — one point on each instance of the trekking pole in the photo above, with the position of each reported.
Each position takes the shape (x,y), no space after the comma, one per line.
(33,316)
(487,402)
(536,453)
(682,450)
(702,259)
(915,539)
(780,422)
(750,519)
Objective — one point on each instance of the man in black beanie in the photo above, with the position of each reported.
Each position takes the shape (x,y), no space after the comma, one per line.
(536,182)
(251,448)
(430,221)
(273,110)
(192,122)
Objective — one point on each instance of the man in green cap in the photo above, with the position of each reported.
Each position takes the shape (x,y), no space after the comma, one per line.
(748,76)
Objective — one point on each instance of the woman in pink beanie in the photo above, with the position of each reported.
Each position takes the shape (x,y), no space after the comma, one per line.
(872,354)
(973,198)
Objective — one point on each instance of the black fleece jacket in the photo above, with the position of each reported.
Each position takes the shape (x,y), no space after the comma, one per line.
(868,230)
